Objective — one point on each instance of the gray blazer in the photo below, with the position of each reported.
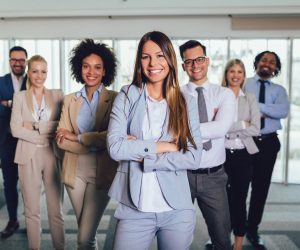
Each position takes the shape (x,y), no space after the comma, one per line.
(126,118)
(247,111)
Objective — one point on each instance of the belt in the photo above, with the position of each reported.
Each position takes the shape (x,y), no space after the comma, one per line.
(234,150)
(265,136)
(206,170)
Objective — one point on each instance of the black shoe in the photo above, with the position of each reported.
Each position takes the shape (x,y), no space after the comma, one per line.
(256,241)
(209,245)
(11,228)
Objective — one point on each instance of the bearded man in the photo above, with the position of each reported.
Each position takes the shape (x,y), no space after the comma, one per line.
(274,106)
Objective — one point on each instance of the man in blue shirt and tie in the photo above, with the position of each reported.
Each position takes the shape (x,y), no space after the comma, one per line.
(274,105)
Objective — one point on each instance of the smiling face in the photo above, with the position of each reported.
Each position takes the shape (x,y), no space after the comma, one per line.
(197,72)
(37,73)
(235,76)
(154,64)
(17,62)
(92,70)
(266,66)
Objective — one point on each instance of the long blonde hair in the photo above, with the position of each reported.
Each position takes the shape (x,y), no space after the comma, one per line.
(35,58)
(178,117)
(230,64)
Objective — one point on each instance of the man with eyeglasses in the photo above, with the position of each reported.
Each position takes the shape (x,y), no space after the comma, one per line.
(274,106)
(216,106)
(9,84)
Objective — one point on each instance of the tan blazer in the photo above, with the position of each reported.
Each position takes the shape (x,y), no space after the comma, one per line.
(22,111)
(106,167)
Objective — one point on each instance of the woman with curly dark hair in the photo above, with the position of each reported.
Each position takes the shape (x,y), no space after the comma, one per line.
(87,169)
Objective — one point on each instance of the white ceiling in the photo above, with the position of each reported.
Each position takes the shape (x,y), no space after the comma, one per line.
(81,8)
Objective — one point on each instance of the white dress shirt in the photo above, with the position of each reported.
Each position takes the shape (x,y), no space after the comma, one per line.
(220,105)
(17,83)
(151,197)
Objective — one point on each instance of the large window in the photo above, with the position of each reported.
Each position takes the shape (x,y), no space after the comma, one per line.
(57,53)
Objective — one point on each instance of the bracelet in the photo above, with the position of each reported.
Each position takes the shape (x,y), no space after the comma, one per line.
(9,103)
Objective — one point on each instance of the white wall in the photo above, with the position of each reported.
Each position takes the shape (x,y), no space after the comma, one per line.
(131,28)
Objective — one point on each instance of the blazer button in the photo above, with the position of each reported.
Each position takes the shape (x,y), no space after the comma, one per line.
(146,149)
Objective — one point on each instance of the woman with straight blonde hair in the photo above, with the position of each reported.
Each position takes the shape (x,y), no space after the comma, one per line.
(239,148)
(35,116)
(155,136)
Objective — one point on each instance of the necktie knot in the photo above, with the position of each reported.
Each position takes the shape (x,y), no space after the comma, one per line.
(263,81)
(199,90)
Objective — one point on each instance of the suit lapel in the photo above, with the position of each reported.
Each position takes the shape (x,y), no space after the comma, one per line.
(103,105)
(10,86)
(24,86)
(49,104)
(139,111)
(74,111)
(29,96)
(241,106)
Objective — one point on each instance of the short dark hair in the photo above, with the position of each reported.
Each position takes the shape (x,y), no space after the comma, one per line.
(88,47)
(278,62)
(17,48)
(189,45)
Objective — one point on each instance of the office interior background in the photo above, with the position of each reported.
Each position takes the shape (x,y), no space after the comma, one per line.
(229,29)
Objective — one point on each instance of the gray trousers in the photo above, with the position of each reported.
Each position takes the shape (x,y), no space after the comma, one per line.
(136,230)
(210,192)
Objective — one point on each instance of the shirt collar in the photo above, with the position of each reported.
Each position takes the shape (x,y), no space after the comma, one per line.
(15,79)
(82,92)
(256,77)
(241,93)
(192,86)
(149,98)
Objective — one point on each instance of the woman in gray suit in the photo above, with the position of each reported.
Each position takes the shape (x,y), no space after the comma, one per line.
(34,119)
(154,133)
(239,147)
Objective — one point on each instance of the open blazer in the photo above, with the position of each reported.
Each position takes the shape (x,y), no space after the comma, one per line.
(106,167)
(6,93)
(22,111)
(247,111)
(126,119)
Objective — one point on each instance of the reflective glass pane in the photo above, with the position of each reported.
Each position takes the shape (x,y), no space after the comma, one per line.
(294,145)
(49,49)
(125,51)
(4,57)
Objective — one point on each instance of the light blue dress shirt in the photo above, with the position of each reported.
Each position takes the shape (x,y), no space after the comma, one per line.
(87,114)
(276,104)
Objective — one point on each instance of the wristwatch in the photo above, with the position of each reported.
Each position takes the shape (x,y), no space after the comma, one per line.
(35,126)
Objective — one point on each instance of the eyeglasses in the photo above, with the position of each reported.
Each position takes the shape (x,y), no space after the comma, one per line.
(15,60)
(198,60)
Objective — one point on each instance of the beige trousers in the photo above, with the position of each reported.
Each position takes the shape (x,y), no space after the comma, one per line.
(88,202)
(42,169)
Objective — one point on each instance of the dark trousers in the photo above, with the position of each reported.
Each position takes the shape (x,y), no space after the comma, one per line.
(210,192)
(10,177)
(263,165)
(239,170)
